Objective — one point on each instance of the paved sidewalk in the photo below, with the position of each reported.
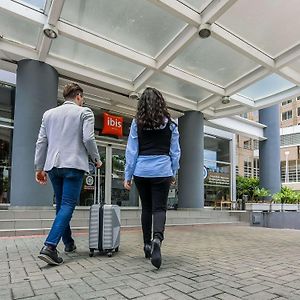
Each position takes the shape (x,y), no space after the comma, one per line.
(199,262)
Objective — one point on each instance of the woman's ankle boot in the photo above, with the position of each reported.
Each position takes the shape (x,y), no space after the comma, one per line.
(147,250)
(155,253)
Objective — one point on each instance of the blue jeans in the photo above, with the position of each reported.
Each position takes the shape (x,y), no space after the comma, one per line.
(66,184)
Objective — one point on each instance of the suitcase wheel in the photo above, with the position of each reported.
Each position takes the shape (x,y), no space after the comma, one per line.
(109,254)
(91,254)
(117,249)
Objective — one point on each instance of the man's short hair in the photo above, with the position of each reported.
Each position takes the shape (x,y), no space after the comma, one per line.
(71,90)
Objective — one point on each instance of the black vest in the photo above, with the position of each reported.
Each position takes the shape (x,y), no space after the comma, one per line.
(155,141)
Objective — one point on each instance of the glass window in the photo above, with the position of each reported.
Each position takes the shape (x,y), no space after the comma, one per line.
(7,99)
(6,137)
(286,115)
(247,145)
(40,4)
(272,84)
(136,24)
(119,195)
(217,182)
(94,58)
(88,186)
(217,164)
(286,102)
(216,149)
(298,111)
(247,169)
(7,103)
(205,58)
(298,98)
(256,167)
(197,5)
(11,29)
(264,16)
(177,87)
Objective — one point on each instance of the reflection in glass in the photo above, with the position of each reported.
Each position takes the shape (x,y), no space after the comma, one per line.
(5,163)
(119,195)
(217,182)
(7,103)
(173,195)
(7,98)
(216,149)
(217,163)
(88,186)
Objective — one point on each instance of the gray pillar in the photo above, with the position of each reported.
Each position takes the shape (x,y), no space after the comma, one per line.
(36,92)
(190,180)
(269,150)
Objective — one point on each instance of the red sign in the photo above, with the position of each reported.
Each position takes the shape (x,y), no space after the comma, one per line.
(112,125)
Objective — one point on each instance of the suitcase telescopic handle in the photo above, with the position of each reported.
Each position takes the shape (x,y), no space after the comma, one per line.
(97,188)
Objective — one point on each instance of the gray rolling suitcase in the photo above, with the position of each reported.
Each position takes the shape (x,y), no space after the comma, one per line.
(105,223)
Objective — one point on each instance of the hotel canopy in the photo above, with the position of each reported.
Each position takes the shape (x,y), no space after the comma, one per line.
(115,48)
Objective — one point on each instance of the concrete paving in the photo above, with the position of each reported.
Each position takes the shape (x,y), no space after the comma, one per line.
(199,262)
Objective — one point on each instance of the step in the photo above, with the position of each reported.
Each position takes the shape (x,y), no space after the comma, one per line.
(27,222)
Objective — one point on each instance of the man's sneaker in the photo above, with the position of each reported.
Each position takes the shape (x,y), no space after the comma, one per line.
(70,248)
(50,256)
(155,253)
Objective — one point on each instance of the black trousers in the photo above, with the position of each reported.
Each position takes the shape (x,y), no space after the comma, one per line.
(154,195)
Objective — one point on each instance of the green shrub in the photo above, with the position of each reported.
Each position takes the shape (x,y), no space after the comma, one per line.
(260,194)
(286,195)
(246,186)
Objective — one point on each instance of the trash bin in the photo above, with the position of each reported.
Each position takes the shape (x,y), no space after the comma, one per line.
(244,200)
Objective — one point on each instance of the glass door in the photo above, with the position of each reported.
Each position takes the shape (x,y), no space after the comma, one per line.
(111,178)
(119,195)
(87,190)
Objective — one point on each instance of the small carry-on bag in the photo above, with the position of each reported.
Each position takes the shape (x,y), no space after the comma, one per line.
(105,223)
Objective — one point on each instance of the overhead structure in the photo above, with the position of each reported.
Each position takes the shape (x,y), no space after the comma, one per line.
(220,57)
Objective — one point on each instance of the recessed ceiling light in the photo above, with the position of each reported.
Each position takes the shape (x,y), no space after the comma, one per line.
(50,31)
(225,100)
(204,31)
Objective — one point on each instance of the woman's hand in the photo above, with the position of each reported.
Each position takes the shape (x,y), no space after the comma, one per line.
(127,184)
(173,180)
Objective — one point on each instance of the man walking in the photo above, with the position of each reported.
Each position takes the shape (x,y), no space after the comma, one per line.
(65,141)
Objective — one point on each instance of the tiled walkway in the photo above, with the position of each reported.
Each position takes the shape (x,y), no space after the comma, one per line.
(199,262)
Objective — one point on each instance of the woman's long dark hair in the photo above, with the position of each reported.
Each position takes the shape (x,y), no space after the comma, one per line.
(152,109)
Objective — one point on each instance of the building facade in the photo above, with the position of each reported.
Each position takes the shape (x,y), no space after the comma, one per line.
(248,149)
(218,174)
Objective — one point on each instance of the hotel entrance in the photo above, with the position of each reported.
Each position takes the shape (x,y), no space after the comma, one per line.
(112,171)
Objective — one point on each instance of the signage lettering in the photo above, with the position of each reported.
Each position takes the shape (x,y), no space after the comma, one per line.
(113,125)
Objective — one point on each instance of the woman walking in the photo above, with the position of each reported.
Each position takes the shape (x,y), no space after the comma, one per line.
(152,159)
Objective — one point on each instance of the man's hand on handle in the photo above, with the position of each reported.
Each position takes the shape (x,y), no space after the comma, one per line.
(98,164)
(41,177)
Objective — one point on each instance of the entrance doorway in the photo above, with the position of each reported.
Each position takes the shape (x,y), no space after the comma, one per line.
(112,176)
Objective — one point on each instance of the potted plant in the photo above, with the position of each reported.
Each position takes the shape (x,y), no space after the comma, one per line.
(287,198)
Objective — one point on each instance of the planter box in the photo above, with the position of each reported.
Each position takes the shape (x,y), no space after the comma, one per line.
(276,207)
(258,206)
(293,207)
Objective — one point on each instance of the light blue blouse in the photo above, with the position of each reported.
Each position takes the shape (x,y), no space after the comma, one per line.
(151,165)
